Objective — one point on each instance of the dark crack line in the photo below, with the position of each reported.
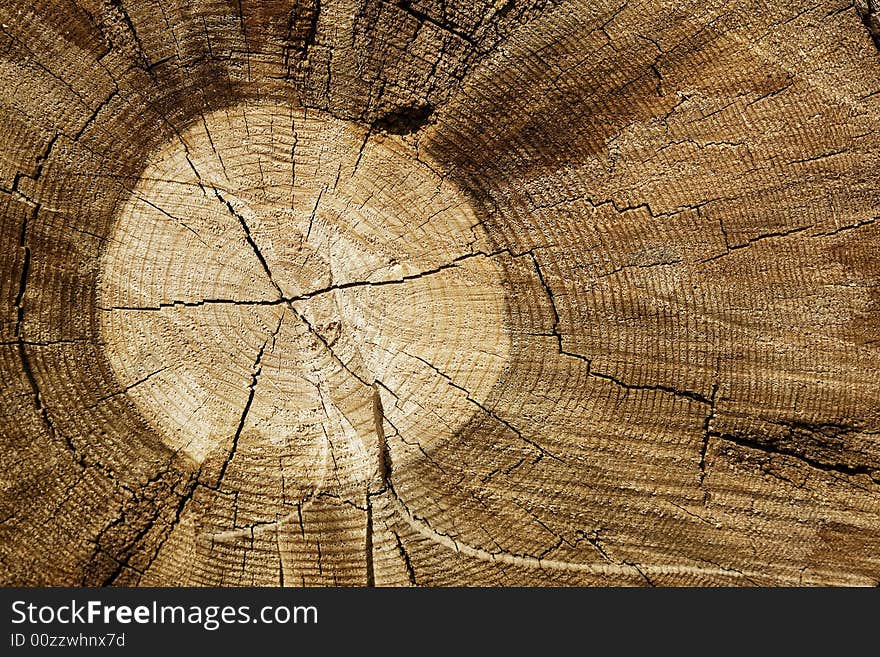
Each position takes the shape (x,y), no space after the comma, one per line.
(25,271)
(820,157)
(689,394)
(691,513)
(555,328)
(397,434)
(326,344)
(128,387)
(489,412)
(410,572)
(41,407)
(445,26)
(544,526)
(757,238)
(456,262)
(252,389)
(126,19)
(868,12)
(314,212)
(280,559)
(324,290)
(361,150)
(331,448)
(839,468)
(178,220)
(594,541)
(590,371)
(858,224)
(368,545)
(185,498)
(641,572)
(195,304)
(384,455)
(707,426)
(22,344)
(385,467)
(251,242)
(22,284)
(214,148)
(341,500)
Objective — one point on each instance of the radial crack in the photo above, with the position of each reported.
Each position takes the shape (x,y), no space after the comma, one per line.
(122,391)
(320,291)
(707,426)
(757,238)
(252,388)
(689,394)
(368,544)
(555,328)
(768,448)
(443,25)
(178,220)
(22,344)
(185,498)
(326,344)
(542,450)
(251,242)
(196,304)
(407,563)
(601,375)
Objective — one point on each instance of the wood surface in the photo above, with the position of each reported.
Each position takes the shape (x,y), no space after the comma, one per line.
(439,292)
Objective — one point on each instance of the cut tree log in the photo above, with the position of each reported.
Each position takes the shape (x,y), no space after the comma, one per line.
(440,293)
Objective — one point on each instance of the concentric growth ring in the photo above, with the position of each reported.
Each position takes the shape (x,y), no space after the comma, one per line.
(275,274)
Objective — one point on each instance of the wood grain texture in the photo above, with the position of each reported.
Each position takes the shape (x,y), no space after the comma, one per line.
(337,292)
